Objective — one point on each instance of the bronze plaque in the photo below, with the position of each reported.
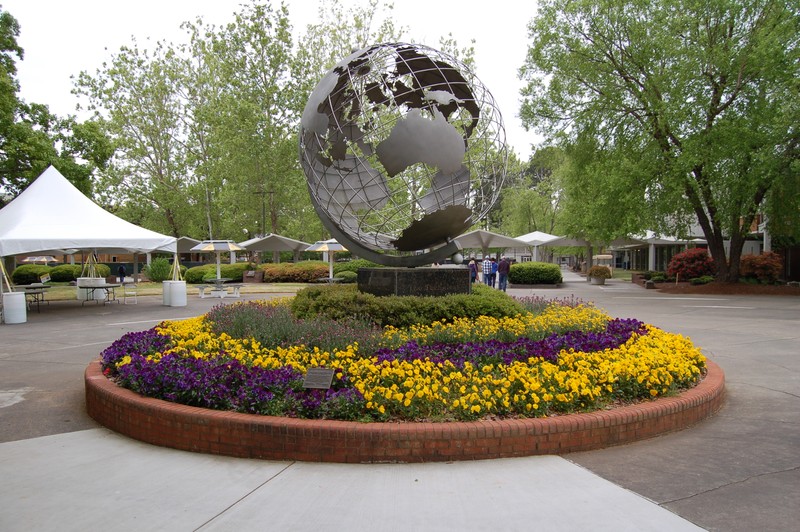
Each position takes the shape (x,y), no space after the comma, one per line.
(320,378)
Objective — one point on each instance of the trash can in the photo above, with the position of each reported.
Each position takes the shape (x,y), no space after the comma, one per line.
(15,309)
(177,293)
(166,293)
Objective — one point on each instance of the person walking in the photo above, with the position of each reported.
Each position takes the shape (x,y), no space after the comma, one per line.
(493,275)
(487,270)
(502,273)
(121,273)
(473,271)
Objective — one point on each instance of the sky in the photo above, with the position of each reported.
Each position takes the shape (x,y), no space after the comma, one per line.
(62,38)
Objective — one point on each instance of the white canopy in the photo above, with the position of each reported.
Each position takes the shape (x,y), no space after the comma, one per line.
(483,240)
(537,238)
(52,215)
(273,242)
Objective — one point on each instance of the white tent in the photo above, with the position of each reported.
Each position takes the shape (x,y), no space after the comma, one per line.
(273,242)
(537,238)
(52,215)
(483,240)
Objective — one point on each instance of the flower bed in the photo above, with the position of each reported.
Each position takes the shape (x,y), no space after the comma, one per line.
(563,359)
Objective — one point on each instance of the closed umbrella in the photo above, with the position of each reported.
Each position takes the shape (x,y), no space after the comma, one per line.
(218,247)
(329,246)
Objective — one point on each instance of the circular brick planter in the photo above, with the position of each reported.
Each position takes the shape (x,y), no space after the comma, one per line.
(274,438)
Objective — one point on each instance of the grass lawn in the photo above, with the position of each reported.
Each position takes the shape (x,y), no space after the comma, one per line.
(66,292)
(619,273)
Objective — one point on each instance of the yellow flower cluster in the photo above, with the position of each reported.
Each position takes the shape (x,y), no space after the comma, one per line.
(655,364)
(555,318)
(193,337)
(646,366)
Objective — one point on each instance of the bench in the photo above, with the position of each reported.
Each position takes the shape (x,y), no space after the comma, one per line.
(236,288)
(202,289)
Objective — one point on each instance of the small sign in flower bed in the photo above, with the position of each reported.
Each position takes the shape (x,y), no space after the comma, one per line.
(252,357)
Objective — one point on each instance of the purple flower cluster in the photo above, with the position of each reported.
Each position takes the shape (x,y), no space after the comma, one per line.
(617,332)
(134,343)
(226,384)
(223,384)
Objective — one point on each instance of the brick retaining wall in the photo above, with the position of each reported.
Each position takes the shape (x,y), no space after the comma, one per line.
(275,438)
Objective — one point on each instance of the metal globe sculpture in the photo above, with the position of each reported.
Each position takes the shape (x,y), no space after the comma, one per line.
(403,149)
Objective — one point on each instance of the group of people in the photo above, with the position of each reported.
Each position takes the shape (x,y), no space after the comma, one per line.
(494,274)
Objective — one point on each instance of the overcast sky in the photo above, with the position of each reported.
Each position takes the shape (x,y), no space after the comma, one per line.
(61,38)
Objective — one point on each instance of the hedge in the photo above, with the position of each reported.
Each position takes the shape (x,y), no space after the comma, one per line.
(29,273)
(353,266)
(234,272)
(345,301)
(535,273)
(347,276)
(295,272)
(63,273)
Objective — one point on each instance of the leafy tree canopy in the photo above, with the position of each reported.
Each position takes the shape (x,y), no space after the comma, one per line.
(32,138)
(686,108)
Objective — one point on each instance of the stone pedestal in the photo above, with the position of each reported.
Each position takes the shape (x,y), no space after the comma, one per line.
(414,281)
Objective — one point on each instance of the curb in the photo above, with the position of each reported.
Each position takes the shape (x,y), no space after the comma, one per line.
(233,434)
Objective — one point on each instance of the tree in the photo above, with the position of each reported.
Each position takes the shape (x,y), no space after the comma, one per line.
(32,138)
(249,104)
(532,199)
(691,102)
(137,93)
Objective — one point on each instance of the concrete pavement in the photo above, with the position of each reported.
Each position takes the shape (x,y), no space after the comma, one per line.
(737,471)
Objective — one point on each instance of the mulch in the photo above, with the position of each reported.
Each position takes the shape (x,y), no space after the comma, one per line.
(729,289)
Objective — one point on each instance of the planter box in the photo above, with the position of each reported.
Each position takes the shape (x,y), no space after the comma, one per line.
(253,276)
(91,281)
(597,280)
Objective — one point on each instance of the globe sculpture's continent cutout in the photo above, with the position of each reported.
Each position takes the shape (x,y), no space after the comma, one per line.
(403,150)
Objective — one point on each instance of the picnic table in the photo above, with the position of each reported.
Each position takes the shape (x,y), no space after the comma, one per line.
(219,288)
(108,288)
(35,295)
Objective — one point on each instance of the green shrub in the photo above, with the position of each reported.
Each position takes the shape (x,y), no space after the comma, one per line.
(345,301)
(274,325)
(100,270)
(195,275)
(767,268)
(347,276)
(599,272)
(65,273)
(702,280)
(200,274)
(29,273)
(690,264)
(159,270)
(297,272)
(353,266)
(534,273)
(658,277)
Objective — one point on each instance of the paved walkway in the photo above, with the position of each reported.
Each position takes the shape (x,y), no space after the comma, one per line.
(737,471)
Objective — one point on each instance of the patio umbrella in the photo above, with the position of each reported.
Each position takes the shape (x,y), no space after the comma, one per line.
(330,247)
(218,247)
(44,259)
